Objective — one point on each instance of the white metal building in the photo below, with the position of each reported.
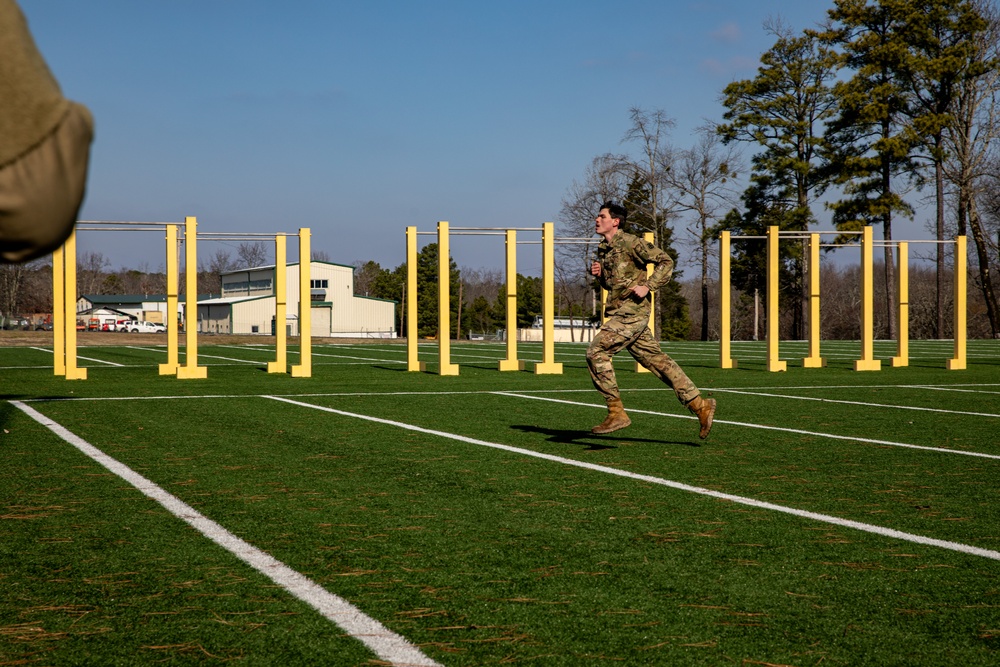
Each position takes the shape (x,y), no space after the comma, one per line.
(149,307)
(248,304)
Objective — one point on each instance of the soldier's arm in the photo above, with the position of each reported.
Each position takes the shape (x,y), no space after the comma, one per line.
(663,266)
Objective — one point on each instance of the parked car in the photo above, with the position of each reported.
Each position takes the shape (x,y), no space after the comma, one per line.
(142,326)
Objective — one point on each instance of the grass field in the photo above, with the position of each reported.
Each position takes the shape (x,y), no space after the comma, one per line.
(370,516)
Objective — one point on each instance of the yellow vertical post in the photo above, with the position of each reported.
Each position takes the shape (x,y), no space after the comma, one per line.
(304,368)
(867,362)
(280,363)
(604,303)
(725,304)
(511,363)
(170,368)
(814,360)
(639,368)
(958,363)
(774,364)
(191,370)
(902,357)
(548,365)
(413,362)
(445,367)
(59,311)
(73,372)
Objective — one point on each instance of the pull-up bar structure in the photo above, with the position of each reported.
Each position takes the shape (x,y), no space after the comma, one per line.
(548,365)
(867,362)
(64,298)
(280,364)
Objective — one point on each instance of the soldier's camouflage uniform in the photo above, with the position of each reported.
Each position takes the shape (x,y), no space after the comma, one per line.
(623,265)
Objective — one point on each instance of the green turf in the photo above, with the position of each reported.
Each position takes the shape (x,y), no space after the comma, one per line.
(484,556)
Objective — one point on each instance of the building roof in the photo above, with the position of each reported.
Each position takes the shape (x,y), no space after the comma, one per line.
(118,299)
(122,298)
(228,300)
(271,267)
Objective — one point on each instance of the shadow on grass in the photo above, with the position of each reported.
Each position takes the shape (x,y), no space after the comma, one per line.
(588,440)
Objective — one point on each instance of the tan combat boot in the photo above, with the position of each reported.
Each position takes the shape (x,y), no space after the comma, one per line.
(616,419)
(705,409)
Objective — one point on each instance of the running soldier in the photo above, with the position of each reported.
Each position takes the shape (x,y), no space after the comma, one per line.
(620,267)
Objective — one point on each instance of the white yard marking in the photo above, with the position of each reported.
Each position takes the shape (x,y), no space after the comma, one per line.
(864,403)
(817,434)
(344,356)
(387,645)
(240,361)
(99,361)
(955,389)
(814,516)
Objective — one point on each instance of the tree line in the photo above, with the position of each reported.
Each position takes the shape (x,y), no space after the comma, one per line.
(886,107)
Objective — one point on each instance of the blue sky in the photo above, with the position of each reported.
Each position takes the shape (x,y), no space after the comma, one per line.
(357,119)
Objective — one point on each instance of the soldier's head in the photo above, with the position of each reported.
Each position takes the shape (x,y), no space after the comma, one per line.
(616,211)
(609,219)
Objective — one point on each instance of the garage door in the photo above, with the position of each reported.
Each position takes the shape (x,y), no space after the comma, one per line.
(321,321)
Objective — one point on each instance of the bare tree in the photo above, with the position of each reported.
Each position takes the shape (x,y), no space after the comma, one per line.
(649,129)
(702,180)
(252,254)
(974,124)
(11,280)
(210,279)
(607,178)
(616,177)
(90,273)
(322,256)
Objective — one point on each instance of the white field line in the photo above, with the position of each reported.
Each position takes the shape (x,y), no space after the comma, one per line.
(386,644)
(955,389)
(315,354)
(255,348)
(817,434)
(344,356)
(98,361)
(814,516)
(146,349)
(241,361)
(864,403)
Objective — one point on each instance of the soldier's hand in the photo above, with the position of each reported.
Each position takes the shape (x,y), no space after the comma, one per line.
(595,269)
(640,291)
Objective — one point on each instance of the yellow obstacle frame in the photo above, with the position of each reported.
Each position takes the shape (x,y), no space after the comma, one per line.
(64,297)
(548,365)
(814,360)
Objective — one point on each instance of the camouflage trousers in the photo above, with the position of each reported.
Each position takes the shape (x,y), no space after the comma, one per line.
(632,333)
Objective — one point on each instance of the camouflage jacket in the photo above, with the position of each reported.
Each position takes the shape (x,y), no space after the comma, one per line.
(623,265)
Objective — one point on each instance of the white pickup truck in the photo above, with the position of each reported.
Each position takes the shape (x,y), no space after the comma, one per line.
(142,326)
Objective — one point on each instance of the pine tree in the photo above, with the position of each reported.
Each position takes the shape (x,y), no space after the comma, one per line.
(872,144)
(783,109)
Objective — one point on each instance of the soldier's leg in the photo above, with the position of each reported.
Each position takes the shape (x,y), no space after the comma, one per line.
(609,340)
(647,352)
